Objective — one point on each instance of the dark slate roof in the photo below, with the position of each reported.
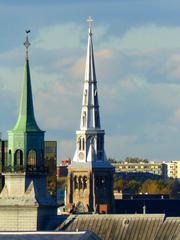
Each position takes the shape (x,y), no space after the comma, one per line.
(48,236)
(170,207)
(126,227)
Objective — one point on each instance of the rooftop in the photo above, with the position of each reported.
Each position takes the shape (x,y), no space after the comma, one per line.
(83,235)
(126,227)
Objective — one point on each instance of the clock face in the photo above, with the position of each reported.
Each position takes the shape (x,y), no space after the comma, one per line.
(81,156)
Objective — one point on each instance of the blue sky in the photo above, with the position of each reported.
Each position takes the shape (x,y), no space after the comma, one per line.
(137,51)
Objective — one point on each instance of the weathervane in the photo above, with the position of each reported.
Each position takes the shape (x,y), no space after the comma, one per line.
(27,43)
(90,21)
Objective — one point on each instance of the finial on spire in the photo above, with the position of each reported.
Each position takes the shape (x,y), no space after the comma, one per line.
(27,43)
(90,21)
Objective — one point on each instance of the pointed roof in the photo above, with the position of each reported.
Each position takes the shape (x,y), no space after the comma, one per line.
(26,120)
(90,117)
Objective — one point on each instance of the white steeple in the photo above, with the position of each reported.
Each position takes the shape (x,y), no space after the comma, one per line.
(90,137)
(90,118)
(90,175)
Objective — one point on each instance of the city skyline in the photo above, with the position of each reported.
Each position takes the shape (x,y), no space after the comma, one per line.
(137,55)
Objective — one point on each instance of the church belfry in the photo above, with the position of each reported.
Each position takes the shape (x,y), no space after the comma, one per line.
(25,203)
(26,140)
(90,176)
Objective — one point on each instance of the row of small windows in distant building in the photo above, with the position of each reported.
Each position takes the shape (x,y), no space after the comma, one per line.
(140,167)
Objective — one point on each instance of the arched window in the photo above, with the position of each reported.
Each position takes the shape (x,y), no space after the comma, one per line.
(95,97)
(84,119)
(75,182)
(42,153)
(84,182)
(18,158)
(97,118)
(79,142)
(8,160)
(99,143)
(80,182)
(83,144)
(100,146)
(31,158)
(85,97)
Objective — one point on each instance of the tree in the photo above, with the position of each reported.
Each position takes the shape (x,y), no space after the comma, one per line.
(135,160)
(133,186)
(112,160)
(118,184)
(61,183)
(150,187)
(127,186)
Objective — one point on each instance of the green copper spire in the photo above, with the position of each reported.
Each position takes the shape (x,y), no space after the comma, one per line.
(26,119)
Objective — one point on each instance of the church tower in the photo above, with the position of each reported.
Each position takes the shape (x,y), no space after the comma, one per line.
(25,203)
(90,176)
(26,139)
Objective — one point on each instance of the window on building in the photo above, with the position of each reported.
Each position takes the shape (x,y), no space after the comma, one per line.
(85,97)
(18,158)
(100,146)
(83,144)
(84,119)
(32,158)
(84,182)
(80,183)
(96,118)
(79,143)
(75,182)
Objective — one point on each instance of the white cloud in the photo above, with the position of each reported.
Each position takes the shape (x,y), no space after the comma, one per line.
(11,56)
(172,67)
(59,36)
(10,78)
(147,36)
(65,35)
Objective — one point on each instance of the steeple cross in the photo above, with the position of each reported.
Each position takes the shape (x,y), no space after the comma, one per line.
(90,21)
(27,43)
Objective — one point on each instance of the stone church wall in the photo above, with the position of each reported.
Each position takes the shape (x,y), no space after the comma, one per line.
(18,218)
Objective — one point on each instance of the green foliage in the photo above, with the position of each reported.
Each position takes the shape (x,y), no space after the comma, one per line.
(119,184)
(133,186)
(135,160)
(150,187)
(130,186)
(158,187)
(112,160)
(168,186)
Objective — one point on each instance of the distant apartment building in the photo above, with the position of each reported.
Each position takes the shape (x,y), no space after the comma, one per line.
(173,169)
(141,168)
(50,160)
